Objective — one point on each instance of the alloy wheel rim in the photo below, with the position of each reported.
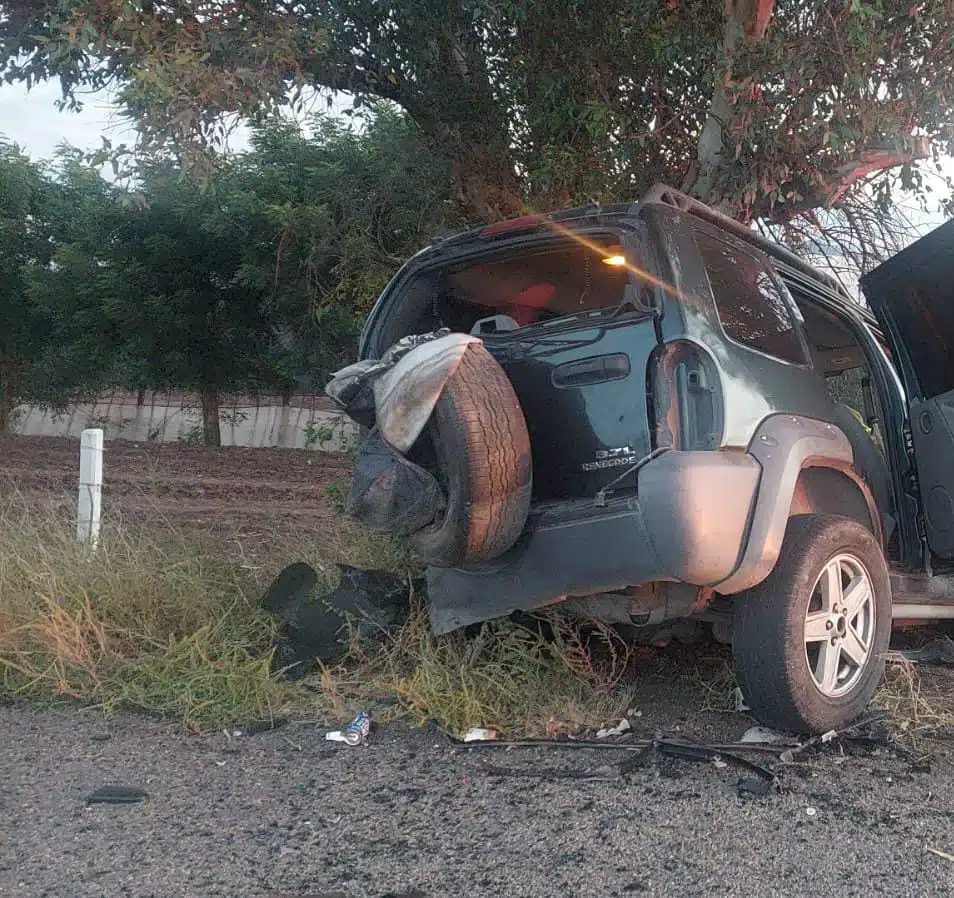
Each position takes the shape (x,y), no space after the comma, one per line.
(840,626)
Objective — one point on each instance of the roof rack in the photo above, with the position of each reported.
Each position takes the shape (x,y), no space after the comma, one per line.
(667,196)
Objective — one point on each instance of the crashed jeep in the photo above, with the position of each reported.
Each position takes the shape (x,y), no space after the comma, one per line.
(652,414)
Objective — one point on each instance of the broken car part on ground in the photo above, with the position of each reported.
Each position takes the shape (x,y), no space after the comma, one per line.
(652,413)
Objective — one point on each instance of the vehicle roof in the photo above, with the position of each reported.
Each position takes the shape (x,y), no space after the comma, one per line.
(663,195)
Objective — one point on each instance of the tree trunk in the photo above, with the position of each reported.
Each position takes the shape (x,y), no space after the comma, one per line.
(745,20)
(141,396)
(211,430)
(6,397)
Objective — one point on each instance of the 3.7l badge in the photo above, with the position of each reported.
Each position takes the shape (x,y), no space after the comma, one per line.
(612,458)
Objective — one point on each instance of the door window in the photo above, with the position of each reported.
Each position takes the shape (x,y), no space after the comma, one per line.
(751,308)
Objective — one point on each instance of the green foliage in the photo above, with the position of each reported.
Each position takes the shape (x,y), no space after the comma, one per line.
(24,242)
(254,280)
(545,102)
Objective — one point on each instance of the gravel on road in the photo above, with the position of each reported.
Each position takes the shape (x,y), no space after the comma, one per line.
(286,813)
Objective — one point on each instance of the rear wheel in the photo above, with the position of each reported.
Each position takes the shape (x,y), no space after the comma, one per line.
(809,642)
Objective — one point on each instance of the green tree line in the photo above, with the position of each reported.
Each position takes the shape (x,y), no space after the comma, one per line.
(808,116)
(253,280)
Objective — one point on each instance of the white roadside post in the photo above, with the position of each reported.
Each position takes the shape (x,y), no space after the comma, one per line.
(90,486)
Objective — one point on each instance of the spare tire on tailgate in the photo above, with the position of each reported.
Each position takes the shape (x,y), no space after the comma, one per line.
(476,442)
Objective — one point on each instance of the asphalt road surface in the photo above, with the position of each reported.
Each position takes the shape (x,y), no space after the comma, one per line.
(287,813)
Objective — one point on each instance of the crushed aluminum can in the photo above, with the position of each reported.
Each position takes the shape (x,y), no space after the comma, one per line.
(481,734)
(357,732)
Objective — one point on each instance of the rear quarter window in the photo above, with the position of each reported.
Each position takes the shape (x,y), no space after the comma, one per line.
(752,310)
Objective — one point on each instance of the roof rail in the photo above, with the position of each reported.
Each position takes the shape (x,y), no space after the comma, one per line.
(667,196)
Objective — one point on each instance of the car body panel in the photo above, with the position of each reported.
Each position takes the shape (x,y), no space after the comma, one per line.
(711,512)
(912,295)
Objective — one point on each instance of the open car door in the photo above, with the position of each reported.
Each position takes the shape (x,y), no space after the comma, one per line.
(912,295)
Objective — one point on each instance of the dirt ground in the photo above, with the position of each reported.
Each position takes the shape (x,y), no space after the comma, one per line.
(187,485)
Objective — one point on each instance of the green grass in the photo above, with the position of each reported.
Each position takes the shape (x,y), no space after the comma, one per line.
(166,621)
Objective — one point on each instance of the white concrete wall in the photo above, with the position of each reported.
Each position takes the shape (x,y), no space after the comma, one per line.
(265,426)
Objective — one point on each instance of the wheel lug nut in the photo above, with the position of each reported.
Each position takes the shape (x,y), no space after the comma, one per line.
(834,640)
(828,625)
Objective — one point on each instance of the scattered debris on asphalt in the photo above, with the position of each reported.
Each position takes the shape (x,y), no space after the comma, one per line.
(358,732)
(366,603)
(692,752)
(876,736)
(811,812)
(941,854)
(618,730)
(117,795)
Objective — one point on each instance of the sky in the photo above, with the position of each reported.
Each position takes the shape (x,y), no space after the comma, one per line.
(31,119)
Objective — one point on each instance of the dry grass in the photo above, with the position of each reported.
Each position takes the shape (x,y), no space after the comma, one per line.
(916,703)
(167,621)
(159,621)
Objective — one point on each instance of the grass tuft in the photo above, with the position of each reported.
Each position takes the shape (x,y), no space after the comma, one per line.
(166,620)
(152,619)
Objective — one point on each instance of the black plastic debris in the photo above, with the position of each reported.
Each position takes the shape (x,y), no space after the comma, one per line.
(292,585)
(389,493)
(368,603)
(754,787)
(117,795)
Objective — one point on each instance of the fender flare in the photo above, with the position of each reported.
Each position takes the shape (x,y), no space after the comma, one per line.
(784,445)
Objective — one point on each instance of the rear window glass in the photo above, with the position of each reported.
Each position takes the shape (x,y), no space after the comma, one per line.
(533,287)
(751,308)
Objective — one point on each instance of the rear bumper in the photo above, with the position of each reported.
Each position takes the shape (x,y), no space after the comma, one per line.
(686,524)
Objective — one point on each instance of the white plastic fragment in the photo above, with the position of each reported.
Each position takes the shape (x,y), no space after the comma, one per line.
(761,736)
(786,757)
(738,700)
(479,734)
(827,737)
(811,812)
(634,712)
(719,763)
(335,736)
(618,730)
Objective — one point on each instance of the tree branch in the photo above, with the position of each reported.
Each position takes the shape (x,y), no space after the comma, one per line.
(873,161)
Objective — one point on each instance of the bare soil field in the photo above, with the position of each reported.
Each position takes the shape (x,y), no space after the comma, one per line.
(188,485)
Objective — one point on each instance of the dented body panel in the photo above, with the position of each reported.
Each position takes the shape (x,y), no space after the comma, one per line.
(667,448)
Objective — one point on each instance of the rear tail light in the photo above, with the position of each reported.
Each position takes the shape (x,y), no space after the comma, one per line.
(685,397)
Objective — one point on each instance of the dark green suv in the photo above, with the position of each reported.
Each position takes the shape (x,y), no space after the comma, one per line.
(650,413)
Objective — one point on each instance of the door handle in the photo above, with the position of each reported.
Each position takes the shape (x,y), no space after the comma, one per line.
(596,370)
